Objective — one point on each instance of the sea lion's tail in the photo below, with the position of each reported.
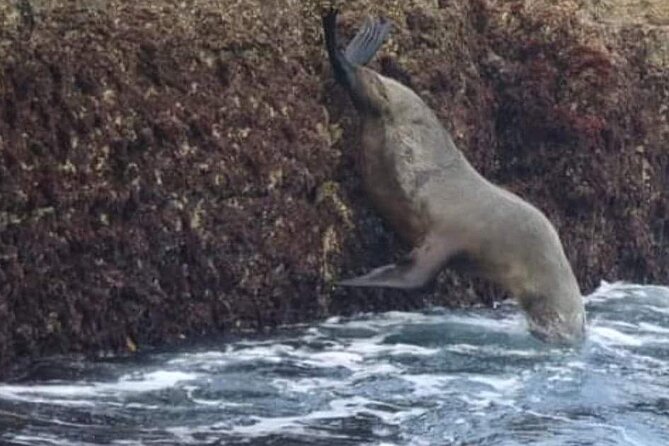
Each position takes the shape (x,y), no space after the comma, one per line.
(359,51)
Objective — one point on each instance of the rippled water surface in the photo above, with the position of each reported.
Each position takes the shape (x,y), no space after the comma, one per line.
(440,377)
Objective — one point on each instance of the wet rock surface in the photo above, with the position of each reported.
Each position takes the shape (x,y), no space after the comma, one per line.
(176,168)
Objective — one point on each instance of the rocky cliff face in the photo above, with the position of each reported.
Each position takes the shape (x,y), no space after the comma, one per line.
(173,168)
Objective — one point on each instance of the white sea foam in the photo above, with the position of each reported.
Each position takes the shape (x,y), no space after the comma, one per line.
(607,290)
(206,358)
(610,336)
(425,385)
(337,408)
(42,439)
(653,328)
(621,290)
(332,359)
(63,394)
(511,323)
(382,321)
(500,384)
(658,310)
(307,385)
(371,348)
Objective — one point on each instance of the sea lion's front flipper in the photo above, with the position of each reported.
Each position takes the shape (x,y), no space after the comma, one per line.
(418,269)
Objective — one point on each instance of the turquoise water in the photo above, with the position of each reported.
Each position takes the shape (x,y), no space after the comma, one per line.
(439,377)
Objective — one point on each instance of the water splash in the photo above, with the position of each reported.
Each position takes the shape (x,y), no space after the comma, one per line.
(437,377)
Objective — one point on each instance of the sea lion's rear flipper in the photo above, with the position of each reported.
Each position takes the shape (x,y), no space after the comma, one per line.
(360,51)
(419,268)
(344,70)
(367,41)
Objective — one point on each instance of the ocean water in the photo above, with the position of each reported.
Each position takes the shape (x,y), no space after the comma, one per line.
(437,377)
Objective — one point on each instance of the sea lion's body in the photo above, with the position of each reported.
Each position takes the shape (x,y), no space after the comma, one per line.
(422,184)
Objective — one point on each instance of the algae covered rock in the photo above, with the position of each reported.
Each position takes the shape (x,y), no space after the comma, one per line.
(174,168)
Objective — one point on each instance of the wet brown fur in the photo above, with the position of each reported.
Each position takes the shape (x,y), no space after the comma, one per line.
(425,188)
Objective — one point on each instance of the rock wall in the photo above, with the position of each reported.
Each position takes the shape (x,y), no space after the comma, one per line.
(175,168)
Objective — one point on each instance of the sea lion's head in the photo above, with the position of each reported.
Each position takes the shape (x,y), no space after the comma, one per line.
(555,318)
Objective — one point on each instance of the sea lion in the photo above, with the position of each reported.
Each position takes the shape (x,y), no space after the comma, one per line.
(421,183)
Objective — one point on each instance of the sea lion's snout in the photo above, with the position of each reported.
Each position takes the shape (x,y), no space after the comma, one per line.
(553,327)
